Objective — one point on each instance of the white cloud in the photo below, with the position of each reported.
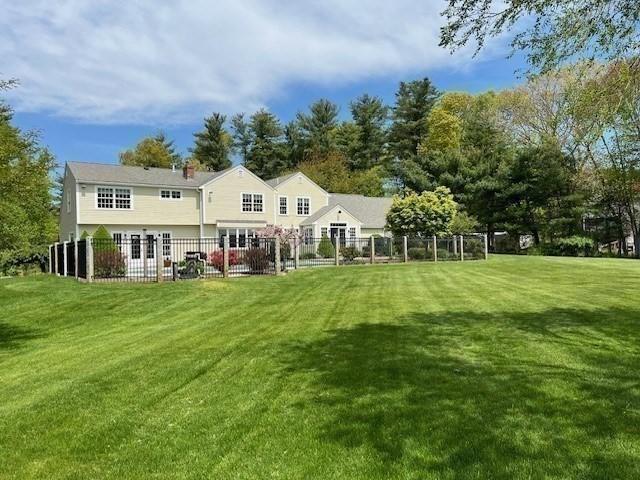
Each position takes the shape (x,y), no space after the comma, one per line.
(109,61)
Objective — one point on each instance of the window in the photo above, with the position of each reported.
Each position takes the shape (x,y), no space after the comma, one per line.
(303,206)
(252,202)
(166,244)
(119,198)
(123,198)
(150,239)
(284,207)
(352,232)
(105,197)
(171,194)
(323,232)
(117,239)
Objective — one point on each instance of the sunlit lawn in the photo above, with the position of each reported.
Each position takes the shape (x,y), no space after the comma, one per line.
(511,368)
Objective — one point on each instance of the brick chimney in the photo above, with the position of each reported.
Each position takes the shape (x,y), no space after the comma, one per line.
(188,171)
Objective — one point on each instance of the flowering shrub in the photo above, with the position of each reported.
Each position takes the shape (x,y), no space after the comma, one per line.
(257,259)
(108,264)
(216,259)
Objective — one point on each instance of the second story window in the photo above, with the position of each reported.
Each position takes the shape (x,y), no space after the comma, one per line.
(283,204)
(252,202)
(303,206)
(108,197)
(171,194)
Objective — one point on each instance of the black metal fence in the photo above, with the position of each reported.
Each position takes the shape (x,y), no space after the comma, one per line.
(151,258)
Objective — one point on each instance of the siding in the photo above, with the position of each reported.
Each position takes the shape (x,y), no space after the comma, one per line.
(177,231)
(223,198)
(148,208)
(299,186)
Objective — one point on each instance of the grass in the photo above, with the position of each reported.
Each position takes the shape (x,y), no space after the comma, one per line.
(512,368)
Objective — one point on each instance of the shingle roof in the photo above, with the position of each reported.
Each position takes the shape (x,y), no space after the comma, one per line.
(108,173)
(274,182)
(317,214)
(371,211)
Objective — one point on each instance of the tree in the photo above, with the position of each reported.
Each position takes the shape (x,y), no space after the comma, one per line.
(414,101)
(561,30)
(212,144)
(169,146)
(151,152)
(266,154)
(318,127)
(27,221)
(332,173)
(241,136)
(294,144)
(425,214)
(539,194)
(370,115)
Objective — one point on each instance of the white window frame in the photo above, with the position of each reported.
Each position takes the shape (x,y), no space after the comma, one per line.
(308,199)
(253,202)
(163,244)
(286,205)
(171,192)
(113,189)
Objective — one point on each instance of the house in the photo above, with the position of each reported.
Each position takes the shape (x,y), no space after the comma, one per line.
(135,201)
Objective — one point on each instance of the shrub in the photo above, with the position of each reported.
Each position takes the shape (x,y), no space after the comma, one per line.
(108,264)
(349,253)
(325,248)
(444,254)
(307,256)
(575,246)
(256,259)
(102,241)
(216,259)
(473,246)
(416,253)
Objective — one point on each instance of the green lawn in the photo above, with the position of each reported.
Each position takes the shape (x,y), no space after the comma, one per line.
(511,368)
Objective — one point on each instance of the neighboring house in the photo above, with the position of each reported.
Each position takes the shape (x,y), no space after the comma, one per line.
(133,201)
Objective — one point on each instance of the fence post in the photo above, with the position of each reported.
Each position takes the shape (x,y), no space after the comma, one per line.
(145,244)
(405,249)
(486,247)
(296,255)
(372,250)
(64,258)
(55,258)
(462,248)
(455,244)
(89,259)
(336,250)
(225,256)
(435,248)
(75,257)
(276,256)
(159,261)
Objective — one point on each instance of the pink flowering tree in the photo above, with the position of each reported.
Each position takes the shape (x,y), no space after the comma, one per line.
(285,235)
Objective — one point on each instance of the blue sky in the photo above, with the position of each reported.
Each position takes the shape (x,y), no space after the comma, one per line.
(95,77)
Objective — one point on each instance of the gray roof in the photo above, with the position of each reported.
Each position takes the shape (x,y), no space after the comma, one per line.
(318,213)
(109,173)
(371,211)
(274,182)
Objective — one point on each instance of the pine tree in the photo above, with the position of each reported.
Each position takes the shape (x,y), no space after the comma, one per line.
(266,155)
(170,147)
(212,145)
(241,136)
(319,127)
(370,116)
(414,101)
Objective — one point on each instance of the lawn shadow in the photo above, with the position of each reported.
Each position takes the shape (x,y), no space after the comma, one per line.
(13,337)
(450,395)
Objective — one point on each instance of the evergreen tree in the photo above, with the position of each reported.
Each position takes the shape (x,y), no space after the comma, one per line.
(266,155)
(241,136)
(370,116)
(414,101)
(212,144)
(294,144)
(319,127)
(170,147)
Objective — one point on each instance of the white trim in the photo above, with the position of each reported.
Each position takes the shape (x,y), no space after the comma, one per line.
(298,174)
(252,202)
(146,185)
(170,190)
(122,187)
(302,214)
(286,197)
(232,169)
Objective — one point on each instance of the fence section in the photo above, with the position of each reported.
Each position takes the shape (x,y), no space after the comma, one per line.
(154,259)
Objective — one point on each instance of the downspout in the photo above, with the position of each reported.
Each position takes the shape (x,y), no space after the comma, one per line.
(202,213)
